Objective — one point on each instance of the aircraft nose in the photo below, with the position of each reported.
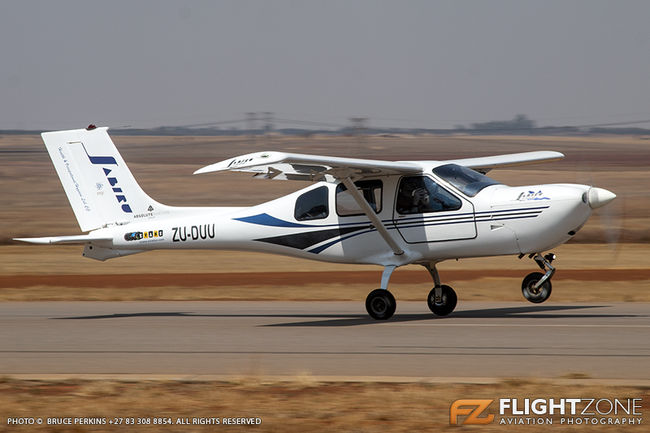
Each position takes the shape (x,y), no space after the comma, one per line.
(598,197)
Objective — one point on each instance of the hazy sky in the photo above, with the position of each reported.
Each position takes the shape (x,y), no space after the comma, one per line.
(402,63)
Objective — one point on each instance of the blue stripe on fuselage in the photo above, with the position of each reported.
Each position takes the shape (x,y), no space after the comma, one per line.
(265,219)
(411,222)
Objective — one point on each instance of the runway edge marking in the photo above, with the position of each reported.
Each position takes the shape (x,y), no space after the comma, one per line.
(325,379)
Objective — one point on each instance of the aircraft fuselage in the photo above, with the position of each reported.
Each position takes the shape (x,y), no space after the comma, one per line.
(498,220)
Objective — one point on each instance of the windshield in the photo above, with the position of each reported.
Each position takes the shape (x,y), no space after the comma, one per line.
(468,181)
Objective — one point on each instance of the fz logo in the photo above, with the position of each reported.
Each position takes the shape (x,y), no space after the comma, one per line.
(473,408)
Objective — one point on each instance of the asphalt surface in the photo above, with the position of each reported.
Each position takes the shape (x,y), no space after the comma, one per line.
(607,340)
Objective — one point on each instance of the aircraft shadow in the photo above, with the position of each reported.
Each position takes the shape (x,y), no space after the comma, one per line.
(527,312)
(190,314)
(549,312)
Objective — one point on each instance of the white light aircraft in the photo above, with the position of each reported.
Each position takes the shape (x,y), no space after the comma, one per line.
(361,211)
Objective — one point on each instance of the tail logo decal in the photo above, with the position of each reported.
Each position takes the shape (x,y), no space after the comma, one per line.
(109,160)
(101,159)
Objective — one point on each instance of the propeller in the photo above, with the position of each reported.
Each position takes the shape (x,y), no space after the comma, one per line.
(611,219)
(599,197)
(609,209)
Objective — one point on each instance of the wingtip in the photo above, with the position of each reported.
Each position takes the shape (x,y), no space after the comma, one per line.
(203,170)
(41,241)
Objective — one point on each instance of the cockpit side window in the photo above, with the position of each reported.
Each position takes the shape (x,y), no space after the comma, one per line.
(371,191)
(312,205)
(420,194)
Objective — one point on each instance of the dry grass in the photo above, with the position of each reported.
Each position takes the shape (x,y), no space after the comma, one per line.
(53,260)
(66,260)
(303,405)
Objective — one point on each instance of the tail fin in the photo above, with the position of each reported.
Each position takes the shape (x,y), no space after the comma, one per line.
(99,185)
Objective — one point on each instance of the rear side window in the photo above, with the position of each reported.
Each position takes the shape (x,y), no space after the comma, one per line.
(371,191)
(312,205)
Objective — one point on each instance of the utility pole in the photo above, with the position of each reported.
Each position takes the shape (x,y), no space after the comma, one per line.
(268,126)
(251,126)
(359,127)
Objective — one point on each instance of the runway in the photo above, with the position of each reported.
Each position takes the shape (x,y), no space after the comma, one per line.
(604,341)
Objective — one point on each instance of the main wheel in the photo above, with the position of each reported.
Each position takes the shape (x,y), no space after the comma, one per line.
(539,294)
(380,304)
(447,302)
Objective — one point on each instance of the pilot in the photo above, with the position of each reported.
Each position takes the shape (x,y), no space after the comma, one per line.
(421,199)
(413,196)
(404,203)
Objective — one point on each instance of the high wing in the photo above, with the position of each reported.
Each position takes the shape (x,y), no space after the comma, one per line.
(296,166)
(487,163)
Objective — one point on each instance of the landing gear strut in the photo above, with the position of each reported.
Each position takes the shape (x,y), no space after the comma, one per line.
(442,299)
(536,287)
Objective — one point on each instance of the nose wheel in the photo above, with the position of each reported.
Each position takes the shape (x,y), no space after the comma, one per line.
(536,286)
(532,292)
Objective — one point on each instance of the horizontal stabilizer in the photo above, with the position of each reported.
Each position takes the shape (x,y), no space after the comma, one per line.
(79,239)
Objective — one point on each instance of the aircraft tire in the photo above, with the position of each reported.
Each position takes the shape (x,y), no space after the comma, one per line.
(449,301)
(381,304)
(536,296)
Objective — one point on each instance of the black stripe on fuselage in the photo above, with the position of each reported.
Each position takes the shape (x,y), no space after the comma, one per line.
(307,239)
